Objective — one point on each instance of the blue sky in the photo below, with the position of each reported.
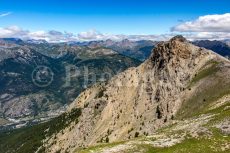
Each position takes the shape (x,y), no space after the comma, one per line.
(127,17)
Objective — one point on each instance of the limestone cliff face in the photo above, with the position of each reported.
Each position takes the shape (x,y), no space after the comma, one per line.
(136,102)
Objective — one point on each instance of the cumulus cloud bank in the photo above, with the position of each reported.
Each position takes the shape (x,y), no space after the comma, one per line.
(212,27)
(96,35)
(51,36)
(207,23)
(57,36)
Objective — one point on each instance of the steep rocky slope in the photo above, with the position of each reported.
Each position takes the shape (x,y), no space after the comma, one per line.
(141,100)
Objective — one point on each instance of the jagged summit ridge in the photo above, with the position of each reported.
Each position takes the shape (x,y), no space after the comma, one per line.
(177,46)
(179,38)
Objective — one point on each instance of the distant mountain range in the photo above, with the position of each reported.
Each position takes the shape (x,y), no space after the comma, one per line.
(38,78)
(136,49)
(220,47)
(139,50)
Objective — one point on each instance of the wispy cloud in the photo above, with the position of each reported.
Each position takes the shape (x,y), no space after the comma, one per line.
(5,14)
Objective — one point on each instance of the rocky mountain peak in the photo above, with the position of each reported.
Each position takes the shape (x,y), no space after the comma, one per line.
(173,51)
(179,38)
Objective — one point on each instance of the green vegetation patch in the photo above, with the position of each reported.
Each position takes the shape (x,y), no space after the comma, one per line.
(216,144)
(208,69)
(98,147)
(29,139)
(221,113)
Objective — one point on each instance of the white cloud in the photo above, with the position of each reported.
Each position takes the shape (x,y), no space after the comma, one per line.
(90,35)
(207,23)
(212,27)
(5,14)
(12,31)
(51,36)
(96,35)
(57,36)
(207,35)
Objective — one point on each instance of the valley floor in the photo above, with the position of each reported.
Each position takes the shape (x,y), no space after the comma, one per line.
(3,121)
